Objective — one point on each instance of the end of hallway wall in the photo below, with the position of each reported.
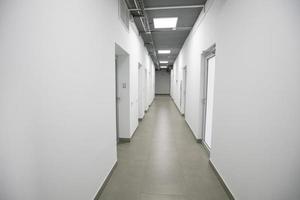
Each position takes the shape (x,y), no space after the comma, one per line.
(106,181)
(229,193)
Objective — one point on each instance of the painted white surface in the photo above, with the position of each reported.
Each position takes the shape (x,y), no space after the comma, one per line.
(210,100)
(130,41)
(145,89)
(123,98)
(150,85)
(141,91)
(171,82)
(183,90)
(256,108)
(57,86)
(162,82)
(201,38)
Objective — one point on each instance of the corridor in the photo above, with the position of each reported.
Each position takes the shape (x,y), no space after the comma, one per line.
(78,77)
(163,161)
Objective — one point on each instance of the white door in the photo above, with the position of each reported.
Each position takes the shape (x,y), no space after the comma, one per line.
(145,90)
(209,100)
(140,91)
(183,93)
(117,99)
(181,100)
(122,95)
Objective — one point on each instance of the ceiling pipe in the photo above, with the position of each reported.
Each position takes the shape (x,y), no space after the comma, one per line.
(145,23)
(169,7)
(168,30)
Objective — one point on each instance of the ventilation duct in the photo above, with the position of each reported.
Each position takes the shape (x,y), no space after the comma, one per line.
(124,13)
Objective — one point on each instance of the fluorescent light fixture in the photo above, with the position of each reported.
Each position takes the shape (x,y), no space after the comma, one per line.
(164,51)
(163,62)
(168,22)
(163,67)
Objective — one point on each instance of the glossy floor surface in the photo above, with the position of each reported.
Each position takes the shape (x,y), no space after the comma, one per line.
(163,161)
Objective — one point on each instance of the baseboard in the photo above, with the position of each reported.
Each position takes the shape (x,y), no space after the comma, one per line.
(133,134)
(197,140)
(151,103)
(141,118)
(105,182)
(124,140)
(230,195)
(206,148)
(176,106)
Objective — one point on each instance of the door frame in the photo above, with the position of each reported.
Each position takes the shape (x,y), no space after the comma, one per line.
(183,91)
(140,91)
(117,99)
(145,89)
(206,55)
(122,98)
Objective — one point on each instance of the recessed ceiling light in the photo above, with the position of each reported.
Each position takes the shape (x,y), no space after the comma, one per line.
(168,22)
(163,67)
(163,62)
(164,51)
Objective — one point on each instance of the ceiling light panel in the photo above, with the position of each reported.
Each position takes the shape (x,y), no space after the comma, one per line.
(163,67)
(163,62)
(169,22)
(164,51)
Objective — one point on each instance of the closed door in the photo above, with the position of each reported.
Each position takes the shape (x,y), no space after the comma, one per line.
(140,92)
(145,90)
(117,99)
(209,100)
(184,79)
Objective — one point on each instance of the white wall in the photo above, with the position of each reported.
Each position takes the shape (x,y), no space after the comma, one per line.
(171,82)
(255,120)
(141,91)
(210,100)
(162,82)
(57,86)
(130,41)
(145,96)
(201,38)
(152,84)
(123,98)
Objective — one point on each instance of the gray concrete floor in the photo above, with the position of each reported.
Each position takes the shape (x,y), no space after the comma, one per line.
(163,161)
